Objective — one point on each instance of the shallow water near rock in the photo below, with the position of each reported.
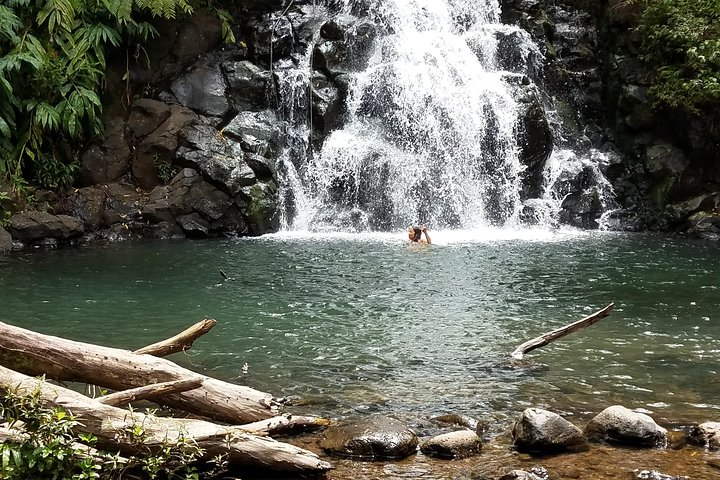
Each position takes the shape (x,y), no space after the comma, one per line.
(346,325)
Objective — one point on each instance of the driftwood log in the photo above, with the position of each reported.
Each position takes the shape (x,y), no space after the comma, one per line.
(553,335)
(36,354)
(112,427)
(180,342)
(155,392)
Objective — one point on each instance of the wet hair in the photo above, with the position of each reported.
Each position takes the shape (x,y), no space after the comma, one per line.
(417,234)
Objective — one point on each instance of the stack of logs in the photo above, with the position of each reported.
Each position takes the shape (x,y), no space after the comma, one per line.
(237,421)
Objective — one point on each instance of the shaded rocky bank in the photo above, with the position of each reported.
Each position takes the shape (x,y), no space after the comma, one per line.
(195,153)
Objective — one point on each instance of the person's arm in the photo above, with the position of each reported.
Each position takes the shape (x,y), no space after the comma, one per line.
(427,237)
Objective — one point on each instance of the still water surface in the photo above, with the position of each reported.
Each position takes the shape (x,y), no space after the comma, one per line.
(347,324)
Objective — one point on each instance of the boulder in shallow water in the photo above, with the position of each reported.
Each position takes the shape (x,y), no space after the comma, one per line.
(539,430)
(374,437)
(459,444)
(622,425)
(706,435)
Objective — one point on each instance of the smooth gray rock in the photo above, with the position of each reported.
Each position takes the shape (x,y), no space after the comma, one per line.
(539,430)
(459,444)
(621,425)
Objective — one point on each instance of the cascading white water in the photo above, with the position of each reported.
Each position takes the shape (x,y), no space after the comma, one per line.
(430,134)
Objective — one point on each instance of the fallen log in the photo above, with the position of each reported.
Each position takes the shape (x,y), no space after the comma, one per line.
(285,424)
(180,342)
(553,335)
(149,392)
(36,354)
(114,429)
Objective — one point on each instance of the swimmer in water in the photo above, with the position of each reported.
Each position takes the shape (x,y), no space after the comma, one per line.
(415,234)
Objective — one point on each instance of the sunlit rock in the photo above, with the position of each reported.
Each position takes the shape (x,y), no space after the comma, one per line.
(622,425)
(460,444)
(373,437)
(539,430)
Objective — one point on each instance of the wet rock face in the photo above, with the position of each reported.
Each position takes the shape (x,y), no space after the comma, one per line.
(539,430)
(375,437)
(5,241)
(618,424)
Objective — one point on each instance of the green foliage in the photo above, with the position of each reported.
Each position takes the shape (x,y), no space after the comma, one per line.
(49,450)
(50,447)
(52,65)
(681,43)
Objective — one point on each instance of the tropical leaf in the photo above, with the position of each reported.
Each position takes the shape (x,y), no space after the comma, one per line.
(9,24)
(57,14)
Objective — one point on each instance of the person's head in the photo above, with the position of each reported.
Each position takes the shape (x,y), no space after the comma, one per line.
(414,234)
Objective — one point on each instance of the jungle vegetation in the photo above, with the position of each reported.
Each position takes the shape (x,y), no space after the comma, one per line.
(52,69)
(681,45)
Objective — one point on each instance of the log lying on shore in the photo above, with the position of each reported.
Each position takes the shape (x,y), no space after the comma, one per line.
(156,392)
(180,342)
(36,354)
(111,426)
(553,335)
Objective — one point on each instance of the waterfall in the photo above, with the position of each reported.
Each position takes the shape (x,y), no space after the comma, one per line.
(430,130)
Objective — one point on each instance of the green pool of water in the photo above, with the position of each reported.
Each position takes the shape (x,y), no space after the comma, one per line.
(346,324)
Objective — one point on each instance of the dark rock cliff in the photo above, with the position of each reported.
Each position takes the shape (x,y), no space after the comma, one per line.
(192,138)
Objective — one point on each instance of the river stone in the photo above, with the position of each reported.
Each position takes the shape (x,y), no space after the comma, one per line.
(535,473)
(622,425)
(33,226)
(460,444)
(706,435)
(374,437)
(653,475)
(539,430)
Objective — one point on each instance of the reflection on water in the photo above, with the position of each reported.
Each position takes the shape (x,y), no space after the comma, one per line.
(368,323)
